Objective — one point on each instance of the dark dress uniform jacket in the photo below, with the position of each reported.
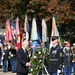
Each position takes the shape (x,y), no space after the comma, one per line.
(68,58)
(22,59)
(13,54)
(56,55)
(6,55)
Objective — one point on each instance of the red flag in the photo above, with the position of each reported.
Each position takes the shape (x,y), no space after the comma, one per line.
(21,35)
(8,31)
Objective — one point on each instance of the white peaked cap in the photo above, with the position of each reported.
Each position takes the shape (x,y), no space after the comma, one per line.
(73,44)
(65,42)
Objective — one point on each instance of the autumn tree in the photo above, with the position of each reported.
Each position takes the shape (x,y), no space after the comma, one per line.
(63,10)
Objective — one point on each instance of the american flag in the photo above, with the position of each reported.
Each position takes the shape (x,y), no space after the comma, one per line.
(13,29)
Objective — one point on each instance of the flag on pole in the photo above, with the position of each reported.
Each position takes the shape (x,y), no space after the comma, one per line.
(39,37)
(18,34)
(13,29)
(26,27)
(44,31)
(34,34)
(8,31)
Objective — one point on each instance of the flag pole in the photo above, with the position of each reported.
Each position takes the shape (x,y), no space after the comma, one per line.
(44,39)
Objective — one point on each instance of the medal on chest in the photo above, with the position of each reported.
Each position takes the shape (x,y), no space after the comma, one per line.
(54,52)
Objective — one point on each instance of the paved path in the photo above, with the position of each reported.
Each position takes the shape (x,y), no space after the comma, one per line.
(10,73)
(7,73)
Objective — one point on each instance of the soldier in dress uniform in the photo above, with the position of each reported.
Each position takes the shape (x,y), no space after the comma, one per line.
(5,57)
(73,61)
(12,54)
(67,69)
(9,64)
(56,55)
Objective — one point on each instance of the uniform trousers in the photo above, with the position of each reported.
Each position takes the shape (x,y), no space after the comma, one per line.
(67,70)
(5,65)
(74,67)
(13,65)
(53,73)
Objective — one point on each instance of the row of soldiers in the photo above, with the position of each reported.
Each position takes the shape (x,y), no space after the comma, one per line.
(62,59)
(8,57)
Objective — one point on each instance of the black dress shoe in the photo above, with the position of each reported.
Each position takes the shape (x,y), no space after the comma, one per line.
(4,71)
(13,71)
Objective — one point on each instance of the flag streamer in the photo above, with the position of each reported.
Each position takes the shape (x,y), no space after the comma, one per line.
(34,34)
(26,28)
(44,31)
(8,31)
